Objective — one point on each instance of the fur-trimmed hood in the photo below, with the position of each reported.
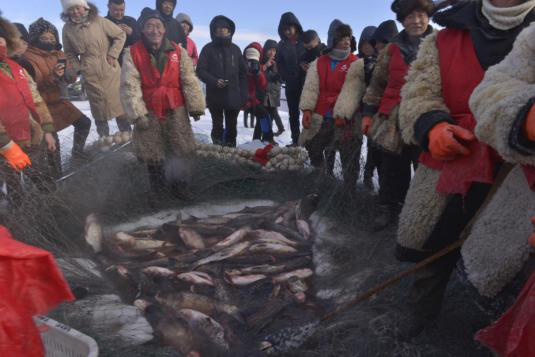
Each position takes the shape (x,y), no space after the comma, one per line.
(10,33)
(93,13)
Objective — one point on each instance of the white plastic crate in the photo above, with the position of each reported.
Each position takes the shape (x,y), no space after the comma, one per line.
(62,341)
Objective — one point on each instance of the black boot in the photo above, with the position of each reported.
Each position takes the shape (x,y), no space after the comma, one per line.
(81,133)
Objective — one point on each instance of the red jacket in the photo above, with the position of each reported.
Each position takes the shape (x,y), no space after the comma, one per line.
(331,82)
(161,91)
(192,51)
(16,103)
(397,71)
(256,83)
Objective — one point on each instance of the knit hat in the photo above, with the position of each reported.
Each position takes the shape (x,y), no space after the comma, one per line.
(252,54)
(39,27)
(147,14)
(182,17)
(67,4)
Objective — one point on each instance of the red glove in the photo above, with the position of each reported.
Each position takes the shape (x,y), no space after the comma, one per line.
(444,142)
(532,237)
(340,123)
(307,119)
(529,125)
(15,157)
(367,122)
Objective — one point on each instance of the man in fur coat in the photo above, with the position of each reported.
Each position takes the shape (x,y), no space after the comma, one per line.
(323,84)
(159,90)
(457,170)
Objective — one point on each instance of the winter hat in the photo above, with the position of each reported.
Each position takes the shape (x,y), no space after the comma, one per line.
(147,14)
(67,4)
(221,22)
(309,36)
(403,8)
(337,31)
(252,54)
(39,27)
(23,32)
(182,17)
(386,31)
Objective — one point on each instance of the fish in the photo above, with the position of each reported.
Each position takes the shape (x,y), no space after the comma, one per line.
(234,238)
(144,233)
(304,228)
(93,233)
(244,280)
(270,236)
(223,254)
(271,248)
(279,220)
(159,272)
(207,324)
(300,273)
(215,220)
(196,278)
(297,285)
(191,238)
(130,242)
(204,304)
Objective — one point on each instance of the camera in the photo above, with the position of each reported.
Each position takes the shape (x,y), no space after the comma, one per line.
(254,66)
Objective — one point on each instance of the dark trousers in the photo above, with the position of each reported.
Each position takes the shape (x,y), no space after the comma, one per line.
(350,157)
(224,134)
(103,128)
(396,175)
(293,96)
(427,292)
(373,161)
(274,112)
(246,114)
(321,147)
(263,135)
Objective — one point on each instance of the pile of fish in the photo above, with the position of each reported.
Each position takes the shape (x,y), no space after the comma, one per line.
(280,159)
(211,286)
(107,142)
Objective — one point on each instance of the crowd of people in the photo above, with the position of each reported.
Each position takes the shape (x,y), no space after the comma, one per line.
(444,112)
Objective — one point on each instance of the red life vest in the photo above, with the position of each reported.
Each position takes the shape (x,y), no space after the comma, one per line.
(331,82)
(461,73)
(397,71)
(16,103)
(161,92)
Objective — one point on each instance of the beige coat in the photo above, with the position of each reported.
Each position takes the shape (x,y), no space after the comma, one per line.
(174,135)
(86,46)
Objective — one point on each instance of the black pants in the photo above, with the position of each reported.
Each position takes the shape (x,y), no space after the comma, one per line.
(321,146)
(350,157)
(427,292)
(224,134)
(373,161)
(274,112)
(246,114)
(265,136)
(103,128)
(293,96)
(396,175)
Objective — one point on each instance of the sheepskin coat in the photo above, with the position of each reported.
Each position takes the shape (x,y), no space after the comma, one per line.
(348,104)
(497,246)
(86,47)
(173,135)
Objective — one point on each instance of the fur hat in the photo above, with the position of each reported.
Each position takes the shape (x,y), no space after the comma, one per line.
(403,8)
(182,17)
(67,4)
(252,54)
(337,31)
(39,27)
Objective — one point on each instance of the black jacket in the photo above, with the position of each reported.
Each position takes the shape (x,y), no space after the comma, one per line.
(174,30)
(132,23)
(308,57)
(289,54)
(223,61)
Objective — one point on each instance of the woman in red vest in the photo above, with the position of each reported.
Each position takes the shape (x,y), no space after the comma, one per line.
(456,170)
(380,120)
(24,119)
(159,91)
(323,84)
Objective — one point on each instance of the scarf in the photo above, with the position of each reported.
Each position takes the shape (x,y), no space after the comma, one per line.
(339,55)
(506,18)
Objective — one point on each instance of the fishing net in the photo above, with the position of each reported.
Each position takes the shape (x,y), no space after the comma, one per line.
(346,256)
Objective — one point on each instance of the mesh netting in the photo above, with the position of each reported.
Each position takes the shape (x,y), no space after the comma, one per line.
(131,312)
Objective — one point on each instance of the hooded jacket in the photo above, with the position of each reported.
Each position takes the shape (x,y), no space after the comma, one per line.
(386,31)
(130,22)
(366,36)
(289,53)
(223,61)
(273,92)
(257,82)
(175,32)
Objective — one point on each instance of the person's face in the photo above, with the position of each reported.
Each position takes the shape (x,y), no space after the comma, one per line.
(367,49)
(154,32)
(77,13)
(117,10)
(47,38)
(416,23)
(290,31)
(186,27)
(168,7)
(222,32)
(379,45)
(272,53)
(344,43)
(312,44)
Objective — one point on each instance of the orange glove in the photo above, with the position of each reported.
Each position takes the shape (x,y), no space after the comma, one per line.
(307,119)
(529,125)
(532,238)
(367,122)
(15,157)
(444,142)
(340,123)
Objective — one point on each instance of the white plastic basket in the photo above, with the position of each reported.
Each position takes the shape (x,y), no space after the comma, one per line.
(62,341)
